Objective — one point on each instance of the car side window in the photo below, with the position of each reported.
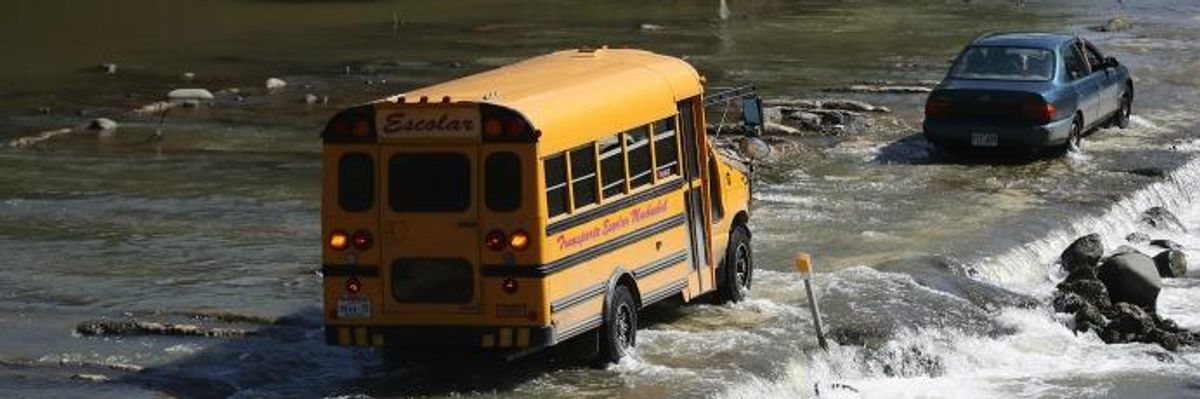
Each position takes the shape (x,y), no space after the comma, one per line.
(1076,66)
(1094,58)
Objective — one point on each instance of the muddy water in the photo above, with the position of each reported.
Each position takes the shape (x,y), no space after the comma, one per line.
(925,256)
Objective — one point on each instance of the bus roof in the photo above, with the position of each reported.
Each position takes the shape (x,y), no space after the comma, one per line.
(575,95)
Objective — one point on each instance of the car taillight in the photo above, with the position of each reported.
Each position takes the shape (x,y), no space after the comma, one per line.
(495,240)
(338,240)
(362,240)
(1040,111)
(518,240)
(936,108)
(353,285)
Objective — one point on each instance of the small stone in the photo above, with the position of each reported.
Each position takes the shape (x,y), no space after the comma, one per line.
(310,99)
(1161,218)
(650,27)
(1137,237)
(776,128)
(847,105)
(192,95)
(1117,24)
(188,76)
(275,84)
(90,377)
(102,125)
(1166,244)
(108,68)
(807,119)
(1171,263)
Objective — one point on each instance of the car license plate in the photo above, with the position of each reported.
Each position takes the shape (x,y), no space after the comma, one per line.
(985,139)
(348,308)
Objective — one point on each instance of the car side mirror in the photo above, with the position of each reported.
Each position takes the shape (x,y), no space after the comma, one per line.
(1111,62)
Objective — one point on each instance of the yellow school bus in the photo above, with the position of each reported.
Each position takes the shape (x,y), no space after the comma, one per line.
(524,206)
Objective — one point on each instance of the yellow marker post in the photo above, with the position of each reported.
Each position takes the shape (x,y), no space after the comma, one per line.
(804,265)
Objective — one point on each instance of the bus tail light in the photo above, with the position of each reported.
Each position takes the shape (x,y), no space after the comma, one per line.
(338,240)
(495,240)
(362,240)
(353,286)
(518,240)
(510,286)
(492,127)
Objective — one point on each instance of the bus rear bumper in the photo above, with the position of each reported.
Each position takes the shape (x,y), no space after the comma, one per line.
(441,336)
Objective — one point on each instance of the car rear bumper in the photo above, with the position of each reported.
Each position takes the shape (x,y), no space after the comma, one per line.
(958,133)
(490,337)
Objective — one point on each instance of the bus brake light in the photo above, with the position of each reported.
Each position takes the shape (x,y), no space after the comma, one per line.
(353,285)
(362,240)
(514,127)
(492,127)
(495,240)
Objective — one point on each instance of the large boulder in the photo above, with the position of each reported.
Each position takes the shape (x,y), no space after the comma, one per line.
(1161,218)
(1081,257)
(1132,278)
(1171,263)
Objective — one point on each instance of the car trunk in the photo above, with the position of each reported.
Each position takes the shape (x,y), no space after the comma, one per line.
(987,102)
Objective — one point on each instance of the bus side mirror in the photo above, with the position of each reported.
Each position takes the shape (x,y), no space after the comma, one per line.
(752,112)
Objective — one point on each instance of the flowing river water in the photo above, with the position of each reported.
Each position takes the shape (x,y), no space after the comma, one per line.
(934,273)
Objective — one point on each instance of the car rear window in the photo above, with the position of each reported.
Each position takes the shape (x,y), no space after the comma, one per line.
(1004,63)
(429,182)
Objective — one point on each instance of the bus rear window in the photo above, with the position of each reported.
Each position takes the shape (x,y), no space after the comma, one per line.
(502,190)
(429,182)
(356,182)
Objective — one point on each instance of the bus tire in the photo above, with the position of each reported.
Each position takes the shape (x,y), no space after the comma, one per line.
(738,270)
(618,334)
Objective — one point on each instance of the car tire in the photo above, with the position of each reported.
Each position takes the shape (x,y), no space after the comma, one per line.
(1125,111)
(618,334)
(1075,139)
(738,270)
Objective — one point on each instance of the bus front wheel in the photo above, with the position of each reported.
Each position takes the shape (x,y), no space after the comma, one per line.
(738,269)
(618,335)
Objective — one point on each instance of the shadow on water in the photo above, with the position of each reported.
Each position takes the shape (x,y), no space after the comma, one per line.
(289,358)
(914,149)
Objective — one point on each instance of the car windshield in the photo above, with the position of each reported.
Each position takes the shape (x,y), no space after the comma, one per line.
(1004,63)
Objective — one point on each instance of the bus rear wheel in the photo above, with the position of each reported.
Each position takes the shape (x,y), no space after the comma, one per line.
(618,335)
(738,271)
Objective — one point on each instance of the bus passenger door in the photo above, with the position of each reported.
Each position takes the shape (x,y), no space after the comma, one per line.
(694,192)
(430,233)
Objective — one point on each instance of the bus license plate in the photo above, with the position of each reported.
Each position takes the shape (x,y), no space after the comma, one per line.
(985,139)
(348,308)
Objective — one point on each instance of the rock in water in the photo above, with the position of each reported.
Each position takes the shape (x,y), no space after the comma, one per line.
(109,68)
(1092,291)
(1081,257)
(1131,321)
(275,84)
(1117,24)
(1137,237)
(847,105)
(1171,263)
(102,125)
(1166,244)
(190,95)
(188,76)
(1161,218)
(1132,278)
(311,99)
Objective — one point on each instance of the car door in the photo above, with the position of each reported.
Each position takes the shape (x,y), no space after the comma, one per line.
(1109,96)
(1086,84)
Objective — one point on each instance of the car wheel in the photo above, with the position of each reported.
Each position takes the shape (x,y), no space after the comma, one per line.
(1075,140)
(738,270)
(1126,110)
(618,335)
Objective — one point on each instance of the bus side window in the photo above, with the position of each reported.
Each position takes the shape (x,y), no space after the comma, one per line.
(356,182)
(583,175)
(637,145)
(612,166)
(556,185)
(714,190)
(666,148)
